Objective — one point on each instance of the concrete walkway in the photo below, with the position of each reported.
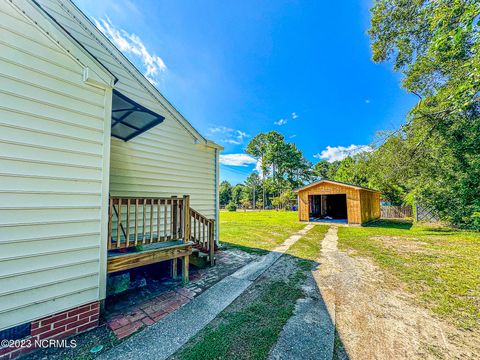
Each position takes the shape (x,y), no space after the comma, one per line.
(166,337)
(310,332)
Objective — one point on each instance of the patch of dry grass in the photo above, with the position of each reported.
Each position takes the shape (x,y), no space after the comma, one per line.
(440,265)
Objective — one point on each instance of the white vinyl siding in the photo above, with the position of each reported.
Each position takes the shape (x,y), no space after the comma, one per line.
(51,173)
(165,160)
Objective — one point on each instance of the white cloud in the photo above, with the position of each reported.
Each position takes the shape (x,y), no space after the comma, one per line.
(232,141)
(367,101)
(220,129)
(337,153)
(131,44)
(241,134)
(237,159)
(294,115)
(292,136)
(281,122)
(230,136)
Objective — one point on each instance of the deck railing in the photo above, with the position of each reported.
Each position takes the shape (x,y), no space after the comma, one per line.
(202,233)
(141,221)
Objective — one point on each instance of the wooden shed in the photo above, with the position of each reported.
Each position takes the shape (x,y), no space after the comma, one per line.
(333,200)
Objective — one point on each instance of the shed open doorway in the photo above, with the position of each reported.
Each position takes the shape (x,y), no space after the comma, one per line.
(328,207)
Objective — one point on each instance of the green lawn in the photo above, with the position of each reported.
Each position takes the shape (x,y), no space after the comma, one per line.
(250,330)
(440,265)
(257,231)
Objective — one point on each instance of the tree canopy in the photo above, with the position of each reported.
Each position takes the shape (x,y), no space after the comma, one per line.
(282,163)
(435,156)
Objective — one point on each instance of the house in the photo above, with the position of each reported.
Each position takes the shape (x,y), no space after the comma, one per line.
(93,160)
(338,201)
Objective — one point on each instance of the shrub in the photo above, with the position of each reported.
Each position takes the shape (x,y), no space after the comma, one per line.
(231,206)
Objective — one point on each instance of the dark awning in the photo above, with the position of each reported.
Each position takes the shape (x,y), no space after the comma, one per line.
(130,119)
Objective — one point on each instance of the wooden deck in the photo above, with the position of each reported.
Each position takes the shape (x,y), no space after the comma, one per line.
(144,231)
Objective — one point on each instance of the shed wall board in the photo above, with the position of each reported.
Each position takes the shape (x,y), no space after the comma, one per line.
(370,205)
(362,205)
(353,200)
(52,154)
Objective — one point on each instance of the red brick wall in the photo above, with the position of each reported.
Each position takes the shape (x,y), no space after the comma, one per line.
(57,326)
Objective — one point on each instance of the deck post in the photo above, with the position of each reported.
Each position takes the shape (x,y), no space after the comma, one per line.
(186,218)
(211,242)
(174,217)
(174,271)
(185,276)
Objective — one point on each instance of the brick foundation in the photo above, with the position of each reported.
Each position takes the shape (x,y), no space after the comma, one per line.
(55,327)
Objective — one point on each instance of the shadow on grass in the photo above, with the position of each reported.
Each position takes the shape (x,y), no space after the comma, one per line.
(281,315)
(225,245)
(442,230)
(391,224)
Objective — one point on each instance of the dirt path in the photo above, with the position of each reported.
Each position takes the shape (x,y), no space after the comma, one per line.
(375,320)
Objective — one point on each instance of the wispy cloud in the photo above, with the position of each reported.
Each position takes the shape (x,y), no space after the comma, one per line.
(229,135)
(367,101)
(237,159)
(284,121)
(337,153)
(220,130)
(292,136)
(131,44)
(232,141)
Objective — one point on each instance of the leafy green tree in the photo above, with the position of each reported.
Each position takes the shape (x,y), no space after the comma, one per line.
(259,204)
(237,193)
(320,169)
(225,193)
(284,200)
(253,188)
(246,204)
(354,170)
(332,169)
(231,206)
(436,45)
(281,162)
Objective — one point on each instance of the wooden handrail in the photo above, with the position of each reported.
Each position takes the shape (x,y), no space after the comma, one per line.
(139,221)
(202,233)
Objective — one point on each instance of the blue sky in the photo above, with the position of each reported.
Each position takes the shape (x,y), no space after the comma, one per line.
(237,68)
